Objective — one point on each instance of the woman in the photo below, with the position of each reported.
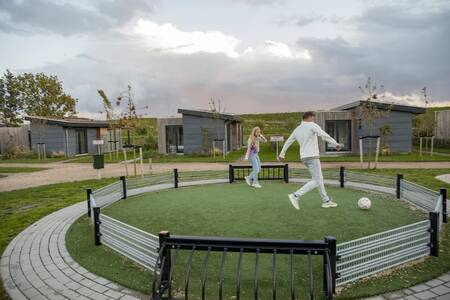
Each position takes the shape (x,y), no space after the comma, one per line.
(252,154)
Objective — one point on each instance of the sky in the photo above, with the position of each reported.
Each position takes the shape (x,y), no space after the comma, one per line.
(251,55)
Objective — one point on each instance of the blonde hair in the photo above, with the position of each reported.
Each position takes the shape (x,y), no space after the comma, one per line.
(253,138)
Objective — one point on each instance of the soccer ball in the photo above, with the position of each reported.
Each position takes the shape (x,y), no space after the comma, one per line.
(364,203)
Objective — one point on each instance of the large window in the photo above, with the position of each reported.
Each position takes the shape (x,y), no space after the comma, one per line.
(341,131)
(174,139)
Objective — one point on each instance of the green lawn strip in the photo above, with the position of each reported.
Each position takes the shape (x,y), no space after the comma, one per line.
(27,160)
(20,169)
(242,212)
(21,208)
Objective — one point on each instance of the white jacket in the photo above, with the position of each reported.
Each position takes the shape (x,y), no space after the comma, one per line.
(306,135)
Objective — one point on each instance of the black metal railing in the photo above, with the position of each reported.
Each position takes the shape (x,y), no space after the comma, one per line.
(171,246)
(268,172)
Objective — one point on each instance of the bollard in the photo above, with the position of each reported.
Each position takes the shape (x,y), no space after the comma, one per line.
(434,234)
(175,178)
(286,173)
(97,223)
(88,200)
(444,204)
(398,186)
(341,176)
(124,187)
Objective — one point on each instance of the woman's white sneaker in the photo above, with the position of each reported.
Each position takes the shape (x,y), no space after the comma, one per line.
(294,201)
(256,185)
(248,180)
(329,204)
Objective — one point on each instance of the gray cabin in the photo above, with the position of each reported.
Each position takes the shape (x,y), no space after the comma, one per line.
(67,136)
(345,125)
(199,132)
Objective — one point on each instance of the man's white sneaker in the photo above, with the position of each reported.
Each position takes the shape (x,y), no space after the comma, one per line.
(294,201)
(256,185)
(329,204)
(248,180)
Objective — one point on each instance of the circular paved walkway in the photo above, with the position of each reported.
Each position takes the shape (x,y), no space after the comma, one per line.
(37,265)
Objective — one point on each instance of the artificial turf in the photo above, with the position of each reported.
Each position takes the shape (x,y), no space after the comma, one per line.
(239,211)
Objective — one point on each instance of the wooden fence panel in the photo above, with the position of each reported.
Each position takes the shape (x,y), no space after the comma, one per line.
(17,135)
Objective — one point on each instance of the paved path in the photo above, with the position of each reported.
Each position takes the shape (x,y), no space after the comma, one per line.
(37,265)
(438,288)
(444,178)
(66,172)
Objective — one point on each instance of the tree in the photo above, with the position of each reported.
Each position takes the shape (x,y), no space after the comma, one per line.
(44,96)
(11,105)
(368,110)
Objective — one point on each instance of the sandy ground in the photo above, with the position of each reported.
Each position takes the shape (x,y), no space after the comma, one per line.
(67,172)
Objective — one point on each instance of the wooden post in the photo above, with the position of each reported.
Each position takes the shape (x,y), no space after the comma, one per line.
(125,161)
(377,152)
(420,146)
(432,145)
(134,161)
(150,165)
(141,161)
(361,152)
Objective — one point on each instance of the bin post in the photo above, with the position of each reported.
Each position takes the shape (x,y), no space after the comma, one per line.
(286,173)
(175,178)
(97,223)
(124,187)
(88,201)
(342,176)
(398,185)
(434,234)
(444,204)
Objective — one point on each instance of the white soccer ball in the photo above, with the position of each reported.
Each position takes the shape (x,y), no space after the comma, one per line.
(364,203)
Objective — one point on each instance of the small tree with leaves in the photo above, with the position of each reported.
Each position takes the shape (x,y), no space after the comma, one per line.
(216,108)
(11,104)
(368,109)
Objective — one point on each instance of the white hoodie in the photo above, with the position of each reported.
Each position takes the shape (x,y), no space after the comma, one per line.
(306,135)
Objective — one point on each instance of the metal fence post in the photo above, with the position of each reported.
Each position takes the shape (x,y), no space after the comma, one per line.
(124,187)
(444,205)
(165,263)
(398,185)
(230,173)
(341,176)
(175,178)
(97,223)
(286,173)
(434,234)
(331,241)
(88,200)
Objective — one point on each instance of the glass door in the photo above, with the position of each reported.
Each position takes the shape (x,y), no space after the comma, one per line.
(341,131)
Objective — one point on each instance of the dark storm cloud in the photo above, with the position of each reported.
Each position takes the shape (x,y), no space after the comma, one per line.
(65,18)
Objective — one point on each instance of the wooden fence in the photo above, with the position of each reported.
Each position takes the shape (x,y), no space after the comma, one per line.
(17,136)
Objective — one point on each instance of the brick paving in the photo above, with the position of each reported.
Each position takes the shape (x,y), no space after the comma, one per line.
(37,265)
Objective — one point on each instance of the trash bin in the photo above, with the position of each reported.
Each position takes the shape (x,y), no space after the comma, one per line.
(99,161)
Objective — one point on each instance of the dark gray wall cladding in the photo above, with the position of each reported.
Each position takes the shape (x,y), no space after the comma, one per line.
(192,132)
(72,142)
(400,139)
(51,135)
(91,136)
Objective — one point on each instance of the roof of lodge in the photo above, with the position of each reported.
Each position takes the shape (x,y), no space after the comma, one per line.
(383,106)
(71,122)
(209,114)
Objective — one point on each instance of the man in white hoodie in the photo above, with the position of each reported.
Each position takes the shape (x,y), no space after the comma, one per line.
(306,135)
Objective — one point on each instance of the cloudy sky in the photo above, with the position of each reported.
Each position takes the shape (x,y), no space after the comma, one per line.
(253,55)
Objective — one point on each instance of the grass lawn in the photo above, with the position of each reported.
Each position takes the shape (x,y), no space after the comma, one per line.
(27,160)
(20,169)
(21,208)
(267,155)
(244,212)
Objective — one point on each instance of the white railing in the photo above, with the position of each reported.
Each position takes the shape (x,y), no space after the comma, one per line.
(378,252)
(137,245)
(418,195)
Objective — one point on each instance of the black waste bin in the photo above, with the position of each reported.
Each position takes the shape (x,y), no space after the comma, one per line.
(99,161)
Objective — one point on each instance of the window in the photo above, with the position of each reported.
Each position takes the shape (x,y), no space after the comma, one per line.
(341,131)
(174,139)
(81,141)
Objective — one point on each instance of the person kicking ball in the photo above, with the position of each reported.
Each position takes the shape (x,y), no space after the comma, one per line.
(306,135)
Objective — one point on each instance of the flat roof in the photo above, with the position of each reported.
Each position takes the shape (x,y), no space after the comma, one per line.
(383,106)
(209,114)
(71,122)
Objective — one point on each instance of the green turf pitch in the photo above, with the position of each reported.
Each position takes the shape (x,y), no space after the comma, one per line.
(237,210)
